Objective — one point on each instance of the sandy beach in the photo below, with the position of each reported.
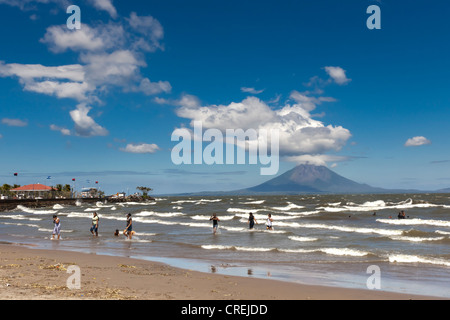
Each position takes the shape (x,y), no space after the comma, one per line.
(31,274)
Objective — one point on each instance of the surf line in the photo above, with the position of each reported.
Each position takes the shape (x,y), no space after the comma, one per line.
(256,142)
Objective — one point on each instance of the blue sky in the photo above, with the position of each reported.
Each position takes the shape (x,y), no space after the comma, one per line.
(101,103)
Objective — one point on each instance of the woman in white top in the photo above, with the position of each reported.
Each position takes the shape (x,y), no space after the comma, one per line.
(94,228)
(269,222)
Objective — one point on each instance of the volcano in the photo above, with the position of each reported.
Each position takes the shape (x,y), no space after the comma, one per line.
(307,178)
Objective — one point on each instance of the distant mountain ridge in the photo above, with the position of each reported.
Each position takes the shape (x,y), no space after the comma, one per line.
(313,179)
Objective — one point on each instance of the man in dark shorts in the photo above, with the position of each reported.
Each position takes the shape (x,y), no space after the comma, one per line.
(215,221)
(129,229)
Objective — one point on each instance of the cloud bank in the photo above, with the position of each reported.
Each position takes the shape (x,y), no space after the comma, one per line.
(110,55)
(302,138)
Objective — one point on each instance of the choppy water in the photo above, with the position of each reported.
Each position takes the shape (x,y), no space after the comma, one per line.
(321,239)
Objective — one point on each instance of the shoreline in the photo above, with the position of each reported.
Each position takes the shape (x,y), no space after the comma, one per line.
(11,204)
(40,274)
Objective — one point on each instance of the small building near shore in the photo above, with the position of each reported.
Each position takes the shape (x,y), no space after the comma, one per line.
(34,191)
(89,193)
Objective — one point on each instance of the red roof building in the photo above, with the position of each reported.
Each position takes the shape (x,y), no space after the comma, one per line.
(33,187)
(33,191)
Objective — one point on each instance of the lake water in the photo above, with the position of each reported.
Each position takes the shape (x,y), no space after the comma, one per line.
(316,239)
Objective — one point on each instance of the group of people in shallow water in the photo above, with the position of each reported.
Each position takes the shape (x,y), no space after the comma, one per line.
(128,232)
(401,215)
(251,222)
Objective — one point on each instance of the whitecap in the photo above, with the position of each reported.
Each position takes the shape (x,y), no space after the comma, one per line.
(79,215)
(216,247)
(302,213)
(132,203)
(147,234)
(334,204)
(288,207)
(34,211)
(159,214)
(183,201)
(386,232)
(51,230)
(243,210)
(22,224)
(255,202)
(376,205)
(246,229)
(344,252)
(234,229)
(403,258)
(417,239)
(254,249)
(237,248)
(111,217)
(303,239)
(416,221)
(19,217)
(202,217)
(196,224)
(260,217)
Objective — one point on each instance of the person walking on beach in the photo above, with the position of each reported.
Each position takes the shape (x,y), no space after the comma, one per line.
(269,222)
(251,221)
(95,222)
(56,227)
(215,221)
(128,232)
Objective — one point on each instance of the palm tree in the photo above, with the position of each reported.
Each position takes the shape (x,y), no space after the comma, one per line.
(5,189)
(145,191)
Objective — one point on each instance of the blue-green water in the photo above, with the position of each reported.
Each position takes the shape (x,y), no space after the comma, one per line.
(317,239)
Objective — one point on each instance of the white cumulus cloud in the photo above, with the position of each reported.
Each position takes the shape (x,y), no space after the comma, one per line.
(111,56)
(85,125)
(299,133)
(338,75)
(140,148)
(105,5)
(417,141)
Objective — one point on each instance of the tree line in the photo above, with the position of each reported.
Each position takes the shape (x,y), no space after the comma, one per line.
(59,190)
(63,190)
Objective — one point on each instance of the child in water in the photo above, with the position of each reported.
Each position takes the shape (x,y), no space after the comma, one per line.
(57,227)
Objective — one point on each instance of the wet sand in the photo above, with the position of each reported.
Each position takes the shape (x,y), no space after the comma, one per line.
(31,274)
